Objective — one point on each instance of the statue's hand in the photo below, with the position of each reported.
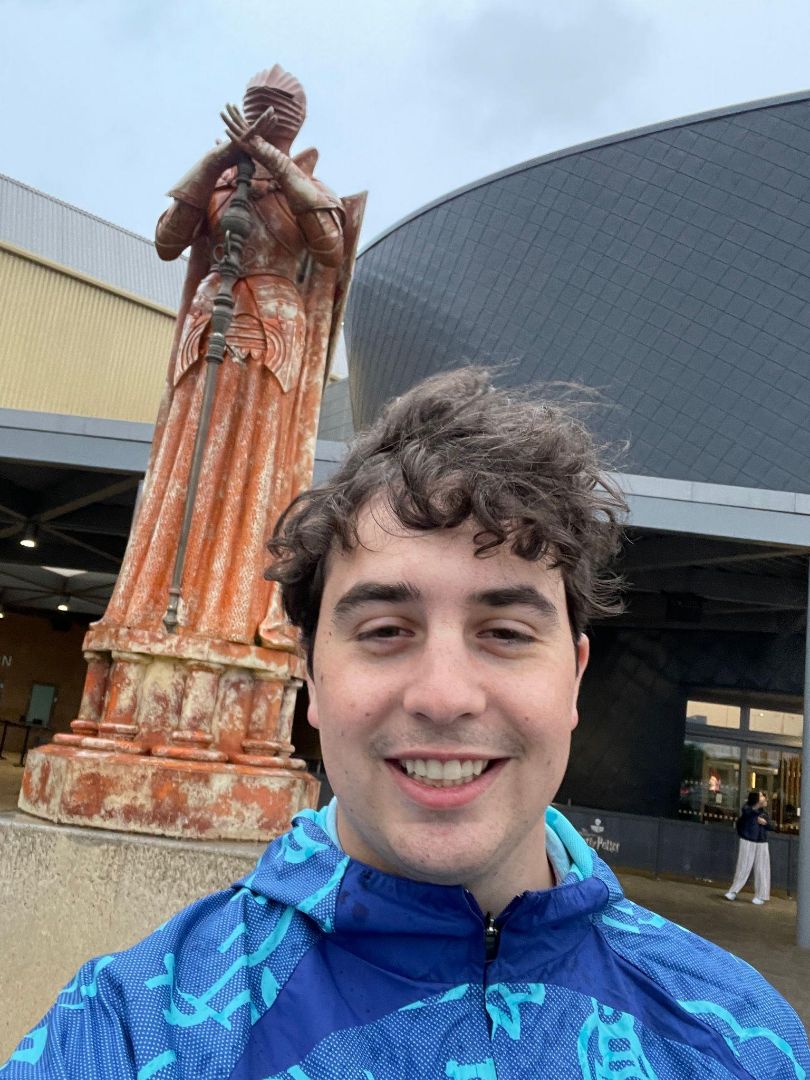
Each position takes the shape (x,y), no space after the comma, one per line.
(248,137)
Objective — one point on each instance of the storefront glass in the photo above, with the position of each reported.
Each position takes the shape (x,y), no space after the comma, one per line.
(710,782)
(778,774)
(776,723)
(762,752)
(713,715)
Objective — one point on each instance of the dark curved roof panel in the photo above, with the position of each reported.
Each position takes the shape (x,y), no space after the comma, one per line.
(669,267)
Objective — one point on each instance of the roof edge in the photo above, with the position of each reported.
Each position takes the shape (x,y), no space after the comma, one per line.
(591,144)
(76,209)
(86,279)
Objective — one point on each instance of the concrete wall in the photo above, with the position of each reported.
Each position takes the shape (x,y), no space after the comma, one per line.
(69,894)
(626,752)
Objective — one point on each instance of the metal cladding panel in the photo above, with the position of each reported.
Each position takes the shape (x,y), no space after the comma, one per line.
(67,346)
(335,422)
(669,268)
(73,238)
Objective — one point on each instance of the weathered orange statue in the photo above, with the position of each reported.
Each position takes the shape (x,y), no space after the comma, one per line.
(185,722)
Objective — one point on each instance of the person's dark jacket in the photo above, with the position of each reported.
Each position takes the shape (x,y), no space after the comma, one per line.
(748,828)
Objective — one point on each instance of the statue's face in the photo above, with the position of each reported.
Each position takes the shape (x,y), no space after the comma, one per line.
(287,126)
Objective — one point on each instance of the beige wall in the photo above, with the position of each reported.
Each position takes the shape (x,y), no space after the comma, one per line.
(32,651)
(72,345)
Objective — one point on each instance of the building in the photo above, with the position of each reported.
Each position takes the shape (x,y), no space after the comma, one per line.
(670,268)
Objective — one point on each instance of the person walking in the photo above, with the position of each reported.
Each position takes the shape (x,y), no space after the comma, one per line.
(752,828)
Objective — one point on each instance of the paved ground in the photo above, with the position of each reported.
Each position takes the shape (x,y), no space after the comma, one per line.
(765,936)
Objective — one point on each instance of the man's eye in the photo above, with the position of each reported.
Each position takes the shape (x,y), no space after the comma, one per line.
(509,635)
(381,632)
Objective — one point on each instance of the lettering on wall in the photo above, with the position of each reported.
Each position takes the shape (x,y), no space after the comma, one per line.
(5,661)
(594,836)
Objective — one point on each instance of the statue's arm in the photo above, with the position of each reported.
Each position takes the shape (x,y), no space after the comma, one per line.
(181,223)
(319,213)
(323,231)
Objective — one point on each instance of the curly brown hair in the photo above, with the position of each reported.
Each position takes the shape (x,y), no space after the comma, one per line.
(454,448)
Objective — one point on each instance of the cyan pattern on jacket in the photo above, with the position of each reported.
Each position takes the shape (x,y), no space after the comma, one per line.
(316,967)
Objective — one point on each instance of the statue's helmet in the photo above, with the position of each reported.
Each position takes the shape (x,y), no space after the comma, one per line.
(275,86)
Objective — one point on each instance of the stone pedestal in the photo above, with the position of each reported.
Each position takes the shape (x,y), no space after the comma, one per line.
(178,735)
(68,894)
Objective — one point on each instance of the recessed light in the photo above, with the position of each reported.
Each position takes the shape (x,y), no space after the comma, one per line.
(29,538)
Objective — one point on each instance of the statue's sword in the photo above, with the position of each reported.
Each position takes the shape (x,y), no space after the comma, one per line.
(236,226)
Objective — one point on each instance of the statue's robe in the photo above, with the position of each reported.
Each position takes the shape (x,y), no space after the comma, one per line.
(259,452)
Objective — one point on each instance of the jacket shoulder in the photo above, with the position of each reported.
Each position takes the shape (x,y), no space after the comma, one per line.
(187,995)
(723,991)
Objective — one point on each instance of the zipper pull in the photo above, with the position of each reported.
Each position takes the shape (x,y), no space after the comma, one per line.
(491,933)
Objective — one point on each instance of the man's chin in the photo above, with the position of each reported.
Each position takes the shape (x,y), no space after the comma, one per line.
(439,857)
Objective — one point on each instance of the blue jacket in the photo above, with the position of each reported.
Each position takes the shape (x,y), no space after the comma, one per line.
(748,828)
(316,967)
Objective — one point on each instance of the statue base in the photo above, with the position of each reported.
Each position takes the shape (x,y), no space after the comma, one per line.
(164,796)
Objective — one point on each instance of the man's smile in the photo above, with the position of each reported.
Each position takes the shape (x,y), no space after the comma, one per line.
(444,772)
(444,784)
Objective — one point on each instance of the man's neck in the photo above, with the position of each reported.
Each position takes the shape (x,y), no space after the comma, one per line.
(497,890)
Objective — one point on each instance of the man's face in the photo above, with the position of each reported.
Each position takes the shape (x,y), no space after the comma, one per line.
(763,800)
(444,689)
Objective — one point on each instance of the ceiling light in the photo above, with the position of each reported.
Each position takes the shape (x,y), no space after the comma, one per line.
(29,537)
(2,612)
(63,605)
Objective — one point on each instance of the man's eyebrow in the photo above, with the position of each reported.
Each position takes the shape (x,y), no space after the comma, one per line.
(371,592)
(523,595)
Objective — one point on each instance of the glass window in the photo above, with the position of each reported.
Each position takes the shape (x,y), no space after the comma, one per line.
(707,712)
(776,723)
(779,775)
(710,782)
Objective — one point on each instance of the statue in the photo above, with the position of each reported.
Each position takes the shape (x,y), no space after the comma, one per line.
(192,661)
(272,375)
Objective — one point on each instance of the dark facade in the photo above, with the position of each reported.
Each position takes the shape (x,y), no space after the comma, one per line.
(626,752)
(668,267)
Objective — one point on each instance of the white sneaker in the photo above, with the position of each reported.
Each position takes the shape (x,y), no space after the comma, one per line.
(757,901)
(730,896)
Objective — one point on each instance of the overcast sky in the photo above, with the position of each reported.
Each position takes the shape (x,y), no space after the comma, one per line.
(106,103)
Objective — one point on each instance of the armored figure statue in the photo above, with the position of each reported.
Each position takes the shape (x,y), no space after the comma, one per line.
(259,448)
(185,725)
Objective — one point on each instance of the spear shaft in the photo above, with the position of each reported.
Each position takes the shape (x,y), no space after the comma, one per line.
(235,224)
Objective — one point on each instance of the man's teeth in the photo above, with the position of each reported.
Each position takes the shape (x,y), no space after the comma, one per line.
(437,773)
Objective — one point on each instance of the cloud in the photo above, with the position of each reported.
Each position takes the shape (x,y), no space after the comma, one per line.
(512,68)
(115,99)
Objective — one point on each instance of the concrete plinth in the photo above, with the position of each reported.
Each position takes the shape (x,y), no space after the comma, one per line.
(68,894)
(166,796)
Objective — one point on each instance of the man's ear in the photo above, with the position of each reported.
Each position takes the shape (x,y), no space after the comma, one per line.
(583,654)
(312,709)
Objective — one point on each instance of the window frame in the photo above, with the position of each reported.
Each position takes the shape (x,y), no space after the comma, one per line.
(743,736)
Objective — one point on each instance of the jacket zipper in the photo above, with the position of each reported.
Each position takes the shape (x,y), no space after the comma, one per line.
(491,938)
(491,942)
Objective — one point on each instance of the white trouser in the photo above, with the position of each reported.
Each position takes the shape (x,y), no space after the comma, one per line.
(756,856)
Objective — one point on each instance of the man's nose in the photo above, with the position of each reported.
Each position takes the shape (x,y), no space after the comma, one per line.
(446,683)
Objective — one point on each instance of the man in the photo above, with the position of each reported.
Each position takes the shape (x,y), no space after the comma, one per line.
(437,919)
(752,828)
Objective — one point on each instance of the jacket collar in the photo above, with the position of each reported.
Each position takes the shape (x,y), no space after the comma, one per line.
(430,932)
